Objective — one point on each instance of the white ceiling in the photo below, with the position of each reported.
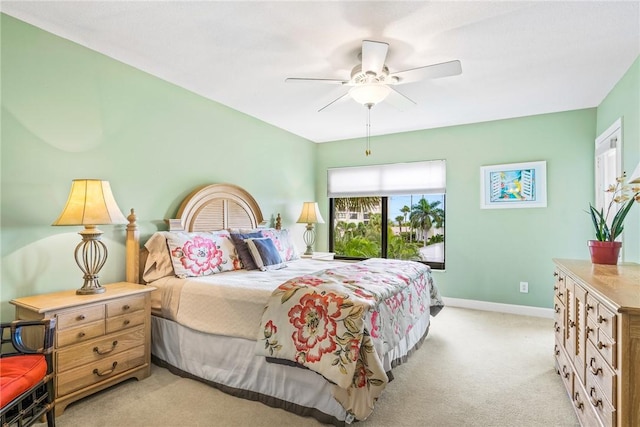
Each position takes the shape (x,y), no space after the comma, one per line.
(518,58)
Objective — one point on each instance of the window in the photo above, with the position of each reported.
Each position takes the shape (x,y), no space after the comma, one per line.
(395,211)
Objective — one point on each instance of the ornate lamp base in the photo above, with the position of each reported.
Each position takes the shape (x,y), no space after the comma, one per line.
(91,255)
(309,238)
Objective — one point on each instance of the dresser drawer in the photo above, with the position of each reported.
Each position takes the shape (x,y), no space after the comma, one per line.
(80,334)
(125,321)
(584,410)
(563,367)
(71,319)
(602,317)
(98,371)
(605,410)
(599,372)
(605,345)
(559,287)
(99,349)
(558,320)
(125,305)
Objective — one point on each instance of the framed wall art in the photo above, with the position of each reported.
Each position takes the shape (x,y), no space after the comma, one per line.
(514,185)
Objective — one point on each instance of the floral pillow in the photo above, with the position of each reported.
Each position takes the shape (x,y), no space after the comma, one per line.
(284,244)
(202,254)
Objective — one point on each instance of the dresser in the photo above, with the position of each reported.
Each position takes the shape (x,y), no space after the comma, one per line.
(597,340)
(100,339)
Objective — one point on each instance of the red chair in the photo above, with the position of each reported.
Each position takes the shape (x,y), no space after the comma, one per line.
(26,372)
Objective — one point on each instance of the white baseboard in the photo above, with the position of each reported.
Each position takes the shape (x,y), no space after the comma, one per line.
(523,310)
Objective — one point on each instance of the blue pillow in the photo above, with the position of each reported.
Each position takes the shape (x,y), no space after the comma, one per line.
(243,251)
(265,254)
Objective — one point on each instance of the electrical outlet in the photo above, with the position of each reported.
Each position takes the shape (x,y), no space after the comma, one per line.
(524,287)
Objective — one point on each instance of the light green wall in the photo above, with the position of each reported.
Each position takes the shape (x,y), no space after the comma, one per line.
(488,252)
(69,112)
(624,101)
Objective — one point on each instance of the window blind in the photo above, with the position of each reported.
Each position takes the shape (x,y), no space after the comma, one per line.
(386,180)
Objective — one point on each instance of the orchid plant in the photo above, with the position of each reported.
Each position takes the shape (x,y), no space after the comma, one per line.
(622,199)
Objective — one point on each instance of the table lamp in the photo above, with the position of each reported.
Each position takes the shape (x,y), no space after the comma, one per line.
(310,215)
(90,203)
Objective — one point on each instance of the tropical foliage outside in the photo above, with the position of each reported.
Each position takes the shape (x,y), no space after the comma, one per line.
(364,239)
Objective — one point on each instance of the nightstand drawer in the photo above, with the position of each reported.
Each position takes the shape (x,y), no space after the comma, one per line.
(96,372)
(97,350)
(126,305)
(71,319)
(80,334)
(125,321)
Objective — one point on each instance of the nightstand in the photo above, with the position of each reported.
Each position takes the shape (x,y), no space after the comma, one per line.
(100,339)
(325,256)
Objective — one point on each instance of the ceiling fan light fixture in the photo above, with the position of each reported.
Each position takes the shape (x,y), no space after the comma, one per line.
(369,94)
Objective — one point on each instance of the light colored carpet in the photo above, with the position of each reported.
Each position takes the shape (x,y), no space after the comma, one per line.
(476,368)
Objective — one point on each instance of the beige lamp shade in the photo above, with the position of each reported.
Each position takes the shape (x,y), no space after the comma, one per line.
(310,214)
(90,202)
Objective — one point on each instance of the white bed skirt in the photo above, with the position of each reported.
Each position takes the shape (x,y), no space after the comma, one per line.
(231,365)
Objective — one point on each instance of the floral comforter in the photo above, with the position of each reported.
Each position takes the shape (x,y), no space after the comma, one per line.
(339,322)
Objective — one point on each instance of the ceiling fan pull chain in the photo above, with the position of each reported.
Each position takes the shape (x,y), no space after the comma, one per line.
(368,150)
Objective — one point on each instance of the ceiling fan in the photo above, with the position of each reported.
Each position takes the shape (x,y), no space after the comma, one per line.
(371,82)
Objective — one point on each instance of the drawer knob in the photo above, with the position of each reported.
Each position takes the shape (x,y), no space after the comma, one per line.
(81,317)
(572,324)
(126,322)
(565,373)
(555,274)
(555,288)
(557,309)
(81,334)
(594,370)
(560,279)
(126,307)
(107,372)
(113,347)
(560,294)
(601,345)
(589,330)
(556,350)
(588,307)
(601,319)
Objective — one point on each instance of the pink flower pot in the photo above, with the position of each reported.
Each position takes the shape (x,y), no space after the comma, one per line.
(604,252)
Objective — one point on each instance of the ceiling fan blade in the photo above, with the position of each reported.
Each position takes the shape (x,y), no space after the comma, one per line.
(444,69)
(305,80)
(340,98)
(373,55)
(399,100)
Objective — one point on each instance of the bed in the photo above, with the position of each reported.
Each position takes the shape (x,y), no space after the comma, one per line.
(235,328)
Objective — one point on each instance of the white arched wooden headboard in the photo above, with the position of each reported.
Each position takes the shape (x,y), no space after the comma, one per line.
(207,208)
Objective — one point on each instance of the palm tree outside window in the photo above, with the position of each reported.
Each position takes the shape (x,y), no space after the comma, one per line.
(392,210)
(414,228)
